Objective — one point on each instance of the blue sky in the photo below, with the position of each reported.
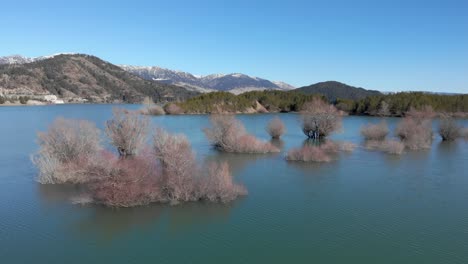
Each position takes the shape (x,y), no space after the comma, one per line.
(384,45)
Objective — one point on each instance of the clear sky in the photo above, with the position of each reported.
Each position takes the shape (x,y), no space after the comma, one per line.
(385,45)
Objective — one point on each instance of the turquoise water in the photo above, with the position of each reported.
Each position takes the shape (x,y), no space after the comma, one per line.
(365,207)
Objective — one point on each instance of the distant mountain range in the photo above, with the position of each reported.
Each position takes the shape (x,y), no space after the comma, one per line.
(235,82)
(71,75)
(333,90)
(77,76)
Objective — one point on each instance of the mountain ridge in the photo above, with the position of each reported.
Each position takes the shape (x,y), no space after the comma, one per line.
(333,90)
(81,76)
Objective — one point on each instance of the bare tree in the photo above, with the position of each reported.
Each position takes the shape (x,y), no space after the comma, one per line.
(449,130)
(127,182)
(415,130)
(173,109)
(228,134)
(66,147)
(319,119)
(179,167)
(375,131)
(218,184)
(276,128)
(127,131)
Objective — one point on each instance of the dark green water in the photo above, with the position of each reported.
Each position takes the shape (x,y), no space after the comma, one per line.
(365,207)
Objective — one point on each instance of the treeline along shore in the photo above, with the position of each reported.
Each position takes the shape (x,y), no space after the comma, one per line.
(396,104)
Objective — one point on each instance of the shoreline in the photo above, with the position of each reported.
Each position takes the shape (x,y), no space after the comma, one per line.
(460,115)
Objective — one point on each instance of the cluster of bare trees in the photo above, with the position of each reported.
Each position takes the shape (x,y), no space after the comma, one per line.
(414,131)
(71,152)
(375,136)
(228,134)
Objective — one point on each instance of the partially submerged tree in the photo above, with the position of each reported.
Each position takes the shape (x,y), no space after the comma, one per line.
(375,131)
(150,108)
(319,119)
(390,146)
(173,109)
(276,128)
(415,130)
(228,134)
(65,149)
(177,160)
(313,152)
(127,132)
(449,130)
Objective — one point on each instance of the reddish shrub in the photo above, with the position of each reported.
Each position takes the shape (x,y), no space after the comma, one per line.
(276,128)
(173,109)
(375,131)
(448,129)
(127,132)
(218,184)
(128,182)
(319,119)
(229,135)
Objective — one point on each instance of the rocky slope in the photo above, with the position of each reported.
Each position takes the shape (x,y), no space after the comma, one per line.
(77,76)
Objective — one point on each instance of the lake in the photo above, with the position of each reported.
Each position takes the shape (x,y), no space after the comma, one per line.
(364,207)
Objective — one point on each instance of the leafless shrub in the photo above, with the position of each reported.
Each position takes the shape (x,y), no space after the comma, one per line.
(177,159)
(449,130)
(276,128)
(218,184)
(414,133)
(313,152)
(394,147)
(152,110)
(127,132)
(415,130)
(173,109)
(319,119)
(66,143)
(375,131)
(228,134)
(308,153)
(426,112)
(167,173)
(127,182)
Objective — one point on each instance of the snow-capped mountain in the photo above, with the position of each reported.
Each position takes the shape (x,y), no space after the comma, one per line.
(15,59)
(18,59)
(234,82)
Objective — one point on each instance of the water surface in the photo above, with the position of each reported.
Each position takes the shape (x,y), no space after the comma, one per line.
(365,207)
